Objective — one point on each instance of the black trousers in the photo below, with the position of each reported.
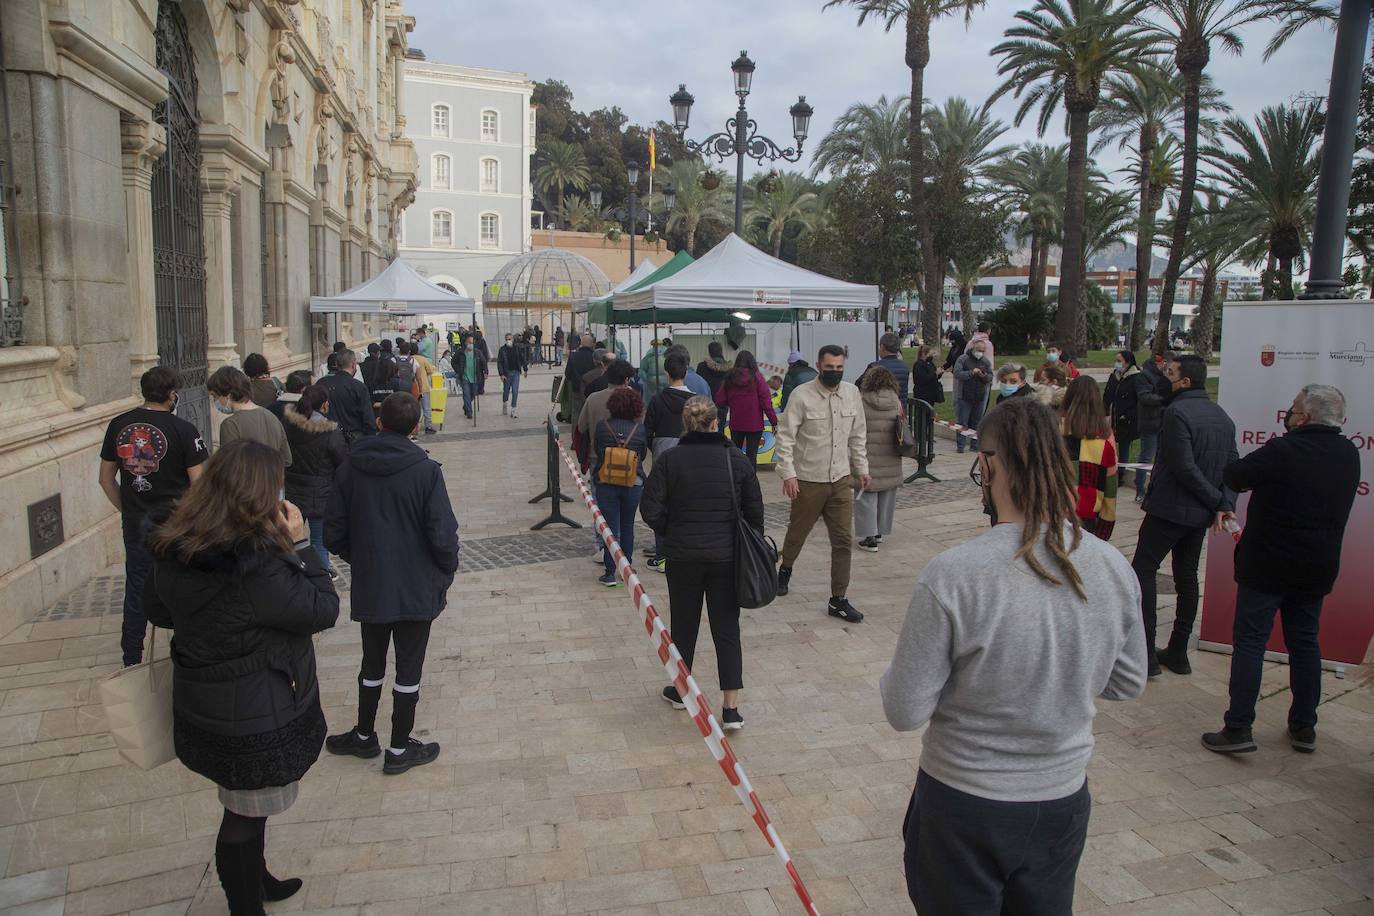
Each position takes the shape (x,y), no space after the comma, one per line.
(971,856)
(138,563)
(688,583)
(1158,538)
(1250,634)
(411,638)
(749,444)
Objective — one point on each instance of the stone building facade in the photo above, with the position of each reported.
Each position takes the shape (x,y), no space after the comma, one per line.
(179,177)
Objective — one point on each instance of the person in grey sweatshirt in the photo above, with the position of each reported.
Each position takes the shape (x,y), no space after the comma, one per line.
(1005,669)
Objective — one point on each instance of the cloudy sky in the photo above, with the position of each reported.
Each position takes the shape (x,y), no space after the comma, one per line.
(634,55)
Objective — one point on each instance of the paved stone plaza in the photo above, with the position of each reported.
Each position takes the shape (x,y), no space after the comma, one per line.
(567,786)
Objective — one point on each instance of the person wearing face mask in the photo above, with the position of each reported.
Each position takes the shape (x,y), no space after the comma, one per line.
(1186,495)
(973,372)
(149,458)
(512,362)
(1151,390)
(1302,486)
(1121,399)
(821,451)
(471,369)
(1011,382)
(1055,356)
(1005,670)
(232,395)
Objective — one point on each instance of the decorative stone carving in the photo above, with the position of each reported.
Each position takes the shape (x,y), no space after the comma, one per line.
(282,56)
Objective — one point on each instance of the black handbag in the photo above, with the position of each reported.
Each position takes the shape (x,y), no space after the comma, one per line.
(756,556)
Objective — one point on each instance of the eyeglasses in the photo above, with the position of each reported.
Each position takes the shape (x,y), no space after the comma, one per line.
(975,473)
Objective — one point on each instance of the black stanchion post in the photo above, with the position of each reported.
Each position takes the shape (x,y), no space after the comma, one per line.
(921,416)
(552,489)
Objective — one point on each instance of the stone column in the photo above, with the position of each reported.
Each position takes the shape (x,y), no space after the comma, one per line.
(218,184)
(142,142)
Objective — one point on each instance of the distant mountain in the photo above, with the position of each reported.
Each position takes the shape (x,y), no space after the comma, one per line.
(1120,256)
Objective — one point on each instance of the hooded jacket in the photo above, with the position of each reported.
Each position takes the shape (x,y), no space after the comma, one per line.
(983,338)
(714,372)
(389,501)
(663,416)
(799,373)
(1121,399)
(748,401)
(245,695)
(317,448)
(687,498)
(652,372)
(883,422)
(350,405)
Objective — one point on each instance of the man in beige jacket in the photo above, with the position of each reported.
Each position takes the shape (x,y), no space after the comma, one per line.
(821,448)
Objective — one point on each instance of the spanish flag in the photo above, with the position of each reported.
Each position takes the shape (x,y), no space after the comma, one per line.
(653,155)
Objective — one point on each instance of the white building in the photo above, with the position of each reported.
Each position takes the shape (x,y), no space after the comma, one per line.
(473,131)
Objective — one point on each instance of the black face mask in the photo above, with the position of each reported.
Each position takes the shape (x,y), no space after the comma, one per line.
(831,378)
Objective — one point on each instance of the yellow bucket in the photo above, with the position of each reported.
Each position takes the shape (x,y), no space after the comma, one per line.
(438,399)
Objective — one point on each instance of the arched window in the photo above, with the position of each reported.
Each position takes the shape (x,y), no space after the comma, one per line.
(439,124)
(489,125)
(491,176)
(489,230)
(441,228)
(441,172)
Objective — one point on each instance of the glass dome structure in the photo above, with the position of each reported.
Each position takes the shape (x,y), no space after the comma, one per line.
(550,278)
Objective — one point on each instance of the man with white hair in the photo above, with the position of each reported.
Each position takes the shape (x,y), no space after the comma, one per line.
(1302,486)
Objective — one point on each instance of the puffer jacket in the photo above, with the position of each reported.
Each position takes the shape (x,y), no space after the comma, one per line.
(748,401)
(799,373)
(1196,444)
(317,449)
(714,372)
(687,498)
(1121,399)
(245,695)
(884,460)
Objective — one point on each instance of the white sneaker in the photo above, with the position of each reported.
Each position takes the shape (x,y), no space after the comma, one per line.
(512,414)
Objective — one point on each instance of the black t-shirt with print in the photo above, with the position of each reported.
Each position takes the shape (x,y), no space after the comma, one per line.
(153,449)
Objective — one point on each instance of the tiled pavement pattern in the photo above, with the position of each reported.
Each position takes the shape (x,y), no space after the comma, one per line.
(566,786)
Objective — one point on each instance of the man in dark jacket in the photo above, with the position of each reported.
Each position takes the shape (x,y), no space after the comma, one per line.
(1151,390)
(799,372)
(1185,496)
(350,405)
(296,382)
(1302,487)
(369,366)
(663,424)
(389,501)
(890,358)
(714,368)
(512,364)
(580,362)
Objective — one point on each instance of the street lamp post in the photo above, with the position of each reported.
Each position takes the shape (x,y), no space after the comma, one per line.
(632,213)
(741,137)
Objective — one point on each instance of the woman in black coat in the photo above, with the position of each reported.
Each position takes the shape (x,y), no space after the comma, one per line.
(688,501)
(386,381)
(317,448)
(925,377)
(235,577)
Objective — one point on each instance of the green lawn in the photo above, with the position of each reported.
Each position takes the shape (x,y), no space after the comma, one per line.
(1094,359)
(945,410)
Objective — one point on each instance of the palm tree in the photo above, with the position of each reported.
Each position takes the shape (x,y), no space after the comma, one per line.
(961,138)
(1188,28)
(1270,174)
(1215,239)
(916,16)
(1060,52)
(695,205)
(966,274)
(1034,182)
(867,137)
(1141,111)
(579,215)
(789,202)
(564,166)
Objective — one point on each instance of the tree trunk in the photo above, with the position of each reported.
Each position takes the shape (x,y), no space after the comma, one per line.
(1205,321)
(917,58)
(1043,272)
(1066,324)
(1192,82)
(1144,236)
(777,241)
(691,237)
(1269,287)
(1285,277)
(562,214)
(1034,264)
(966,308)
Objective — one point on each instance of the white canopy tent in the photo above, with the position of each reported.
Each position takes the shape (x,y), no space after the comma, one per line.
(642,270)
(398,290)
(737,277)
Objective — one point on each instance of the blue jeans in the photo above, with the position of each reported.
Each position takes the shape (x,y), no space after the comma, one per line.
(1249,636)
(970,414)
(469,390)
(138,562)
(317,539)
(619,505)
(510,388)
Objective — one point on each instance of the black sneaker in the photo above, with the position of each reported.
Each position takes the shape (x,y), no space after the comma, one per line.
(784,577)
(1175,658)
(731,720)
(416,754)
(1304,739)
(841,608)
(671,695)
(1230,741)
(350,743)
(658,564)
(1153,671)
(868,544)
(430,431)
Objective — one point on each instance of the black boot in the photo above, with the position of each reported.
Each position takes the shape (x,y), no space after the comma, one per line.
(275,889)
(240,867)
(1175,656)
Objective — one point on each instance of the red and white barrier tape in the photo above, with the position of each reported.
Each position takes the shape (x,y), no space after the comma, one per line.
(967,431)
(681,677)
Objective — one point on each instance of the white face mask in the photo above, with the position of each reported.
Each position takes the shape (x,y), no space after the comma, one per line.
(977,354)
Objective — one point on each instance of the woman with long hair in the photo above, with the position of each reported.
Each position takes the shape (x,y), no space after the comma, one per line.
(236,579)
(689,501)
(1093,453)
(317,446)
(1121,404)
(874,506)
(232,394)
(748,400)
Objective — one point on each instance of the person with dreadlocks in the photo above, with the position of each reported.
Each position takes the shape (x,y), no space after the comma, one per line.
(1005,669)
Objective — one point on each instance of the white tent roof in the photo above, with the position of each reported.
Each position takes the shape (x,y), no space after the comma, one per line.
(735,275)
(397,290)
(642,270)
